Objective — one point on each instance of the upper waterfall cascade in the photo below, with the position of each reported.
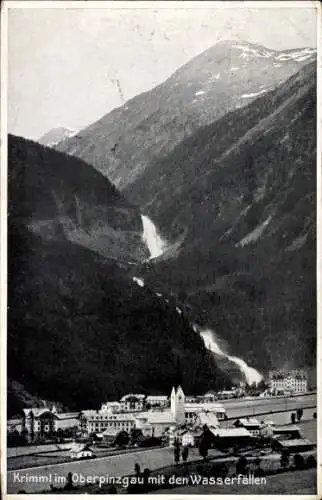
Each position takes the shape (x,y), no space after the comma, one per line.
(151,237)
(251,374)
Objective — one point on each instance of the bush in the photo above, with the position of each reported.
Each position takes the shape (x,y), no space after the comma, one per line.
(311,462)
(241,465)
(122,439)
(152,441)
(219,470)
(298,461)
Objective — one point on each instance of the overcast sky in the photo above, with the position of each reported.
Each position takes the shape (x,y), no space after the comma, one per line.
(65,65)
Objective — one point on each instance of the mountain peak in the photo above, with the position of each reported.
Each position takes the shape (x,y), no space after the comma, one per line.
(56,135)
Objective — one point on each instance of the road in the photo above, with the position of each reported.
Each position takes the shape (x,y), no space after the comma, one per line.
(121,465)
(242,407)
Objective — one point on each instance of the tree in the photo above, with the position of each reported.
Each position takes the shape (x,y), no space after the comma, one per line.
(185,453)
(241,465)
(299,414)
(176,452)
(121,439)
(137,469)
(205,442)
(285,459)
(135,435)
(259,472)
(310,462)
(293,416)
(69,482)
(203,447)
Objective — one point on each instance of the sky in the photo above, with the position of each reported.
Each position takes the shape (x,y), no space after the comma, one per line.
(68,67)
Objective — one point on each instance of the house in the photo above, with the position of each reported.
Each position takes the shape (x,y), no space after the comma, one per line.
(293,445)
(43,422)
(192,408)
(159,401)
(191,399)
(231,437)
(109,423)
(187,437)
(132,402)
(287,432)
(66,420)
(14,424)
(250,424)
(294,382)
(83,418)
(155,423)
(80,451)
(113,406)
(206,418)
(209,397)
(226,394)
(37,423)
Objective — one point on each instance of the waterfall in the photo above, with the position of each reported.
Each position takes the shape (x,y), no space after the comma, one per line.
(157,246)
(251,374)
(152,239)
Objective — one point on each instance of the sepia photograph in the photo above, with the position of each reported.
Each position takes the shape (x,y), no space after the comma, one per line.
(160,301)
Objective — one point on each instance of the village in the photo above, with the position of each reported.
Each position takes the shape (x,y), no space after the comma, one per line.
(147,416)
(280,421)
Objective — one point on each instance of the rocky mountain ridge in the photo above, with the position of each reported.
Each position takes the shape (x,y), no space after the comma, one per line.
(126,141)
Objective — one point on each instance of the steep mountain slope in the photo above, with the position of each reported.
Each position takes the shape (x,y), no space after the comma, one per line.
(127,140)
(56,135)
(61,197)
(80,330)
(241,195)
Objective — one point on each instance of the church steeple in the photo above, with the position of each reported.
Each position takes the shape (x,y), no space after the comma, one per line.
(177,395)
(178,379)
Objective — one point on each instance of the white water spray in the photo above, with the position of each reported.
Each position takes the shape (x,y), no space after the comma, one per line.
(152,239)
(251,374)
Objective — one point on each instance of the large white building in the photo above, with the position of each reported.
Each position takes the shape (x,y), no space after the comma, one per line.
(108,422)
(294,381)
(42,422)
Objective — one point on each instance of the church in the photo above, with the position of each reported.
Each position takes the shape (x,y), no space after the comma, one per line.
(157,422)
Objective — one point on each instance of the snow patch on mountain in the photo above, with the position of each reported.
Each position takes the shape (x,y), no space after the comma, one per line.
(253,94)
(57,135)
(255,234)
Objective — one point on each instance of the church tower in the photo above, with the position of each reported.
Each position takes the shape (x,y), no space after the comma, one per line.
(177,404)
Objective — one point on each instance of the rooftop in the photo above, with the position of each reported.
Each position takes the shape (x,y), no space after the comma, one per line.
(295,442)
(248,422)
(208,418)
(157,417)
(231,432)
(205,406)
